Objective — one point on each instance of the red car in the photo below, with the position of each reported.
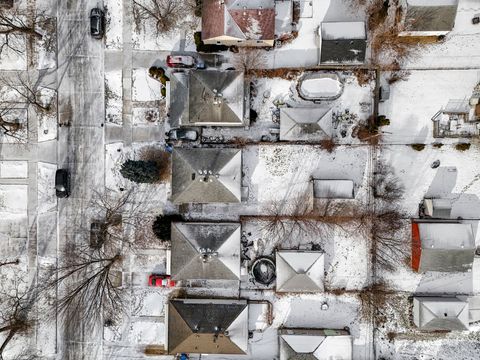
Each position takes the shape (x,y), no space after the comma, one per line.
(180,61)
(160,280)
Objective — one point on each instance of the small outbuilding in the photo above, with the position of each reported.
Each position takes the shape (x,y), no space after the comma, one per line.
(305,124)
(440,313)
(429,18)
(442,246)
(315,344)
(333,189)
(299,271)
(343,42)
(207,326)
(437,208)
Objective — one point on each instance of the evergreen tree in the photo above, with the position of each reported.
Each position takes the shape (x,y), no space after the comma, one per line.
(140,171)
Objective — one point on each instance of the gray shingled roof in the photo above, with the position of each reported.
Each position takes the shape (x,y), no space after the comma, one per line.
(430,18)
(205,251)
(207,326)
(440,313)
(305,124)
(207,98)
(343,42)
(206,175)
(299,271)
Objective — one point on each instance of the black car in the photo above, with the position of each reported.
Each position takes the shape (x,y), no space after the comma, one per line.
(182,134)
(62,183)
(96,23)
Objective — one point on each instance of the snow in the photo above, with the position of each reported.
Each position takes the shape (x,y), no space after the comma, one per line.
(12,60)
(320,87)
(47,200)
(114,24)
(113,96)
(343,30)
(148,332)
(14,169)
(47,120)
(337,189)
(13,200)
(144,87)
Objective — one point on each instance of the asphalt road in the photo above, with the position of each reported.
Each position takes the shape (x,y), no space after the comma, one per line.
(80,146)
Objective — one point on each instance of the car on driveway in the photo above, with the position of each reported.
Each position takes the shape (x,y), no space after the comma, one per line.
(96,23)
(62,183)
(180,61)
(160,280)
(182,134)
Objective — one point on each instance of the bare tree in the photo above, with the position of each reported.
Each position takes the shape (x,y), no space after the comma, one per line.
(248,59)
(166,14)
(13,122)
(387,186)
(89,284)
(9,262)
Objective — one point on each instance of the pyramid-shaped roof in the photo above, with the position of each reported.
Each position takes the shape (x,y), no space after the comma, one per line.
(440,313)
(205,251)
(206,175)
(207,326)
(299,271)
(207,98)
(305,124)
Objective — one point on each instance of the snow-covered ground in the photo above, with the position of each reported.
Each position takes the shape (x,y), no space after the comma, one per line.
(113,96)
(144,87)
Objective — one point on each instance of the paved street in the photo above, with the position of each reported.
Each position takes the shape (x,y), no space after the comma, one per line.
(80,144)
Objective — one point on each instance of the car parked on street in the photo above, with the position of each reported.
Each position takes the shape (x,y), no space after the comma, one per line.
(62,183)
(161,280)
(96,23)
(182,134)
(180,61)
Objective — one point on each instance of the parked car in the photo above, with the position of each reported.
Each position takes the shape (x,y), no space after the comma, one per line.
(160,280)
(96,23)
(97,234)
(62,183)
(180,61)
(182,134)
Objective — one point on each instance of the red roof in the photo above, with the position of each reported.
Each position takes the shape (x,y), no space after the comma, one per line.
(416,247)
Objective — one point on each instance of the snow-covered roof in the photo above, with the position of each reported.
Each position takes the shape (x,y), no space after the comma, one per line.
(299,271)
(205,251)
(207,98)
(440,313)
(206,175)
(305,124)
(457,106)
(343,42)
(333,189)
(207,326)
(430,16)
(315,344)
(447,236)
(343,30)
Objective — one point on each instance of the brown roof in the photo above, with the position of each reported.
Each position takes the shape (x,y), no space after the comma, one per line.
(248,24)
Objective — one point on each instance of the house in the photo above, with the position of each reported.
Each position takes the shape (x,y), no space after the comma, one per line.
(207,326)
(245,22)
(299,271)
(206,251)
(315,344)
(459,118)
(429,18)
(440,313)
(343,42)
(442,246)
(208,98)
(305,123)
(333,189)
(206,175)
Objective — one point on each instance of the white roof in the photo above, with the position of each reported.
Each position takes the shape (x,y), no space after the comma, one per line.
(440,313)
(338,347)
(333,189)
(447,236)
(299,271)
(343,30)
(307,123)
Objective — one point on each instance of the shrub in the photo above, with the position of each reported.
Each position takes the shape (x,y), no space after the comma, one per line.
(418,147)
(156,72)
(253,115)
(140,171)
(163,91)
(202,47)
(437,145)
(382,121)
(462,146)
(198,8)
(328,145)
(162,226)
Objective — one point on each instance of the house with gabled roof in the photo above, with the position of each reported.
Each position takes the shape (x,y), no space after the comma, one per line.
(205,251)
(305,123)
(206,175)
(315,344)
(207,326)
(444,246)
(299,271)
(440,313)
(208,98)
(238,22)
(429,18)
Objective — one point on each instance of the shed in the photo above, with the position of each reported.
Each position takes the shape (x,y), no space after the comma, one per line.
(205,251)
(206,175)
(440,313)
(437,208)
(315,344)
(430,18)
(305,123)
(343,42)
(442,246)
(333,189)
(207,326)
(299,271)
